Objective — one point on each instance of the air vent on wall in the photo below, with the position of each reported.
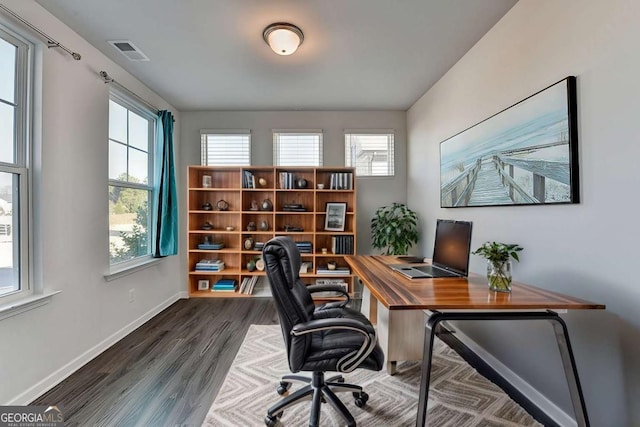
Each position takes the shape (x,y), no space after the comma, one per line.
(129,50)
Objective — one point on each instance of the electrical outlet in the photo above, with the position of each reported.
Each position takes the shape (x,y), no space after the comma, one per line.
(132,295)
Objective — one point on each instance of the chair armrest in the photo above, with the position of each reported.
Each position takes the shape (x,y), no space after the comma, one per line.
(333,288)
(352,360)
(332,323)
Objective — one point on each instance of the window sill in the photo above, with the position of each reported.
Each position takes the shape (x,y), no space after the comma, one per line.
(26,304)
(124,269)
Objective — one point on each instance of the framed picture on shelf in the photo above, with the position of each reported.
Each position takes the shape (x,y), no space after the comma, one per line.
(335,214)
(203,285)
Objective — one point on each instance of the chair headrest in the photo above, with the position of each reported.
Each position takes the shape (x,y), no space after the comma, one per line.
(283,250)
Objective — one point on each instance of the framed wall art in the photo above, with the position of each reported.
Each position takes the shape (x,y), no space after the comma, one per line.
(335,214)
(526,154)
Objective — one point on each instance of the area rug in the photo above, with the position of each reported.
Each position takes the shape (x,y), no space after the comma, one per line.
(458,396)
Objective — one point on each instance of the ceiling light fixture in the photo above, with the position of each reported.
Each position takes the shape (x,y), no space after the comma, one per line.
(283,38)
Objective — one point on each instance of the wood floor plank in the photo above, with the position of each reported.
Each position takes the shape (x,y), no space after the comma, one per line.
(167,372)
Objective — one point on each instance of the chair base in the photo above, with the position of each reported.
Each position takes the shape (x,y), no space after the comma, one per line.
(319,391)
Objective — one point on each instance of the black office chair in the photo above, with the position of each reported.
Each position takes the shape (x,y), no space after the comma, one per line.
(331,337)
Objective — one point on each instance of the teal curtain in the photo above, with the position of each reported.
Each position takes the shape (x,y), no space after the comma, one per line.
(166,200)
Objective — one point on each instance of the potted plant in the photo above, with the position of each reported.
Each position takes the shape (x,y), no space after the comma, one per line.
(394,229)
(498,256)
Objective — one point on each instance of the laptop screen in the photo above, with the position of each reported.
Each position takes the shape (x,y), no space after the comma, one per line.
(452,245)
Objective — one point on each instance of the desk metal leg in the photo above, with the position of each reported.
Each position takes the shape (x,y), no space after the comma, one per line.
(562,338)
(423,399)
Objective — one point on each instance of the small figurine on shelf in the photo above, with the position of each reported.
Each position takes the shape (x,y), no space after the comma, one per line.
(262,182)
(266,205)
(206,240)
(251,226)
(206,206)
(254,205)
(207,226)
(264,225)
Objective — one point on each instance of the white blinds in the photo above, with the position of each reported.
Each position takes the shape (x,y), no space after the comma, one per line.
(297,148)
(221,149)
(370,154)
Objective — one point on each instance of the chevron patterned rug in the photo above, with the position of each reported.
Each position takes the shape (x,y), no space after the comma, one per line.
(458,396)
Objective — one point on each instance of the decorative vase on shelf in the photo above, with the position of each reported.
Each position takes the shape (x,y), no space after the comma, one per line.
(499,275)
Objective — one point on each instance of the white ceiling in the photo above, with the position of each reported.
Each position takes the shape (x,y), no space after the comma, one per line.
(357,54)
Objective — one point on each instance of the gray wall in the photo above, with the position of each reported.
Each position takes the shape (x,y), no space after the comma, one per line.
(372,192)
(536,44)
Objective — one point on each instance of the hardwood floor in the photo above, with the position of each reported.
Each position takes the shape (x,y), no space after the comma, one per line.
(165,373)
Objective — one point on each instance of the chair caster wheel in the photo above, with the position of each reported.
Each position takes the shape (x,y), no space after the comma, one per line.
(361,399)
(283,388)
(271,420)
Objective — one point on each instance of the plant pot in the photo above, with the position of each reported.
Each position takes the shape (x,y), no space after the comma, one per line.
(499,275)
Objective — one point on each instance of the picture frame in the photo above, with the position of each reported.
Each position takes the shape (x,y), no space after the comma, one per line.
(203,285)
(527,154)
(335,214)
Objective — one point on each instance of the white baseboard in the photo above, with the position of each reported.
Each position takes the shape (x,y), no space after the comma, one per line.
(537,398)
(56,377)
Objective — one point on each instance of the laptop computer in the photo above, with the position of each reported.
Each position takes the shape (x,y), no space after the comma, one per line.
(451,252)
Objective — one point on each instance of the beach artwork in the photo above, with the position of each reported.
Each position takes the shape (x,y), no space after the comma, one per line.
(524,155)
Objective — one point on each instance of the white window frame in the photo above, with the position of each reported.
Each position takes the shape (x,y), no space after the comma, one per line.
(349,150)
(118,268)
(21,167)
(296,132)
(204,146)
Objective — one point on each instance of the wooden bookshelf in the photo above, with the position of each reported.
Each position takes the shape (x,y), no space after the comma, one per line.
(235,186)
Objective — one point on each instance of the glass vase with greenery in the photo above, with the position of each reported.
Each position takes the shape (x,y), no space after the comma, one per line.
(394,229)
(498,256)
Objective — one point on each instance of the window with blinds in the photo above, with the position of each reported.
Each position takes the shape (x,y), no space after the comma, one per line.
(225,148)
(297,148)
(370,153)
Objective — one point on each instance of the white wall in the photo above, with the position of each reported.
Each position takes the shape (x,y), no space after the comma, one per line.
(40,347)
(372,192)
(536,44)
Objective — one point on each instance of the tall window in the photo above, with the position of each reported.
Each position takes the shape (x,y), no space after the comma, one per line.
(131,135)
(297,148)
(15,88)
(371,153)
(225,147)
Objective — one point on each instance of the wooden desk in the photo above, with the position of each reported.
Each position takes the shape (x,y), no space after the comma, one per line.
(395,304)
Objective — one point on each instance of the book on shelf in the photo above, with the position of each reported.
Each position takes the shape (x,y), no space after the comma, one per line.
(286,180)
(248,180)
(338,271)
(305,247)
(341,181)
(248,284)
(211,246)
(306,267)
(342,245)
(224,285)
(210,265)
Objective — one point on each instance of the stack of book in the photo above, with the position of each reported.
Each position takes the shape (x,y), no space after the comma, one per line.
(211,246)
(258,246)
(338,271)
(212,265)
(305,247)
(341,181)
(342,245)
(248,284)
(224,285)
(293,207)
